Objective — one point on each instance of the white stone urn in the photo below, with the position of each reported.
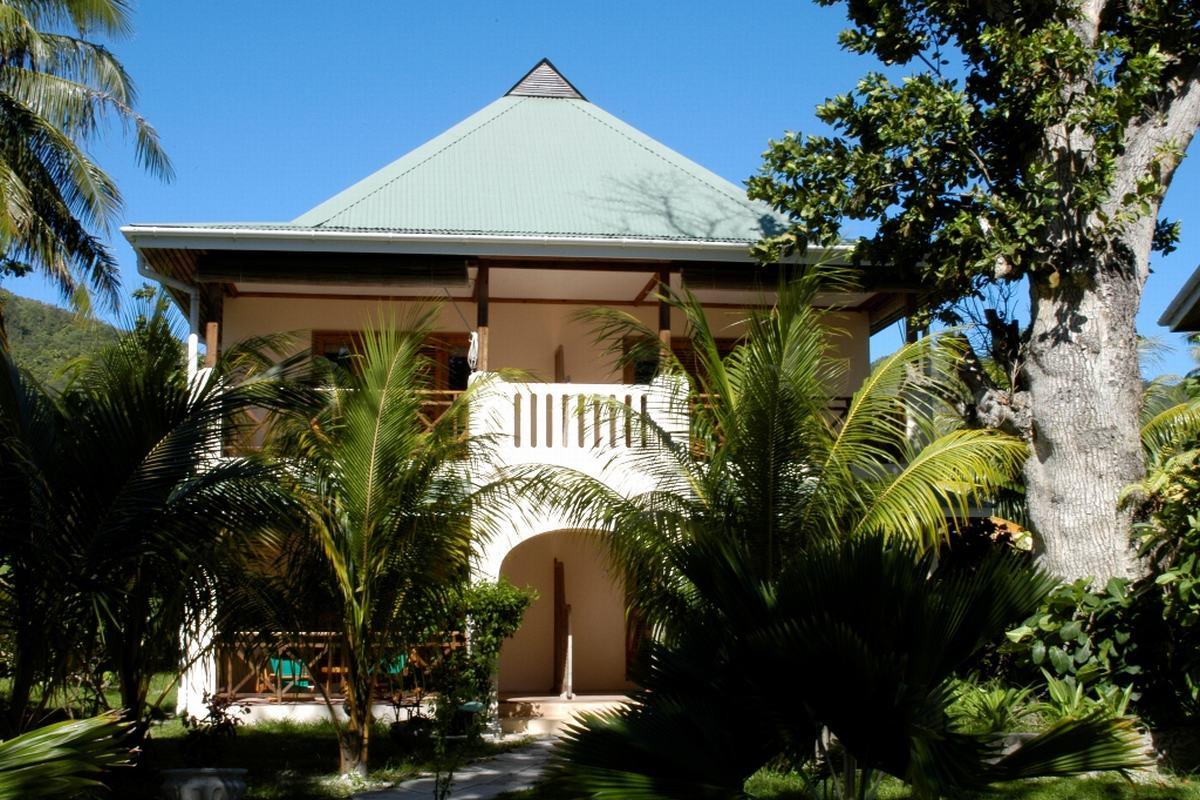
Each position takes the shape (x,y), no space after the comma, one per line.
(203,784)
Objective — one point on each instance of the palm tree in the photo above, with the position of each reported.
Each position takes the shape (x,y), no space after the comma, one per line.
(390,508)
(119,505)
(769,463)
(843,663)
(57,90)
(782,564)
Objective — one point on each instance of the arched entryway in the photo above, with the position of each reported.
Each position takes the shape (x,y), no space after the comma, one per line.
(569,571)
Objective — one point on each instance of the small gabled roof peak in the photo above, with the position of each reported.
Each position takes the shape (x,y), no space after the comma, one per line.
(544,80)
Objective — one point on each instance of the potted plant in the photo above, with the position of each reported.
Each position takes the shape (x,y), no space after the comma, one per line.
(207,739)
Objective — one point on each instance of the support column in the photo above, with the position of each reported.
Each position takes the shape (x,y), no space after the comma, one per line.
(664,308)
(561,634)
(198,678)
(211,344)
(481,316)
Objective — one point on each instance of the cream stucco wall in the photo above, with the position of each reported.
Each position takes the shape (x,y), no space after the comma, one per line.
(523,335)
(597,617)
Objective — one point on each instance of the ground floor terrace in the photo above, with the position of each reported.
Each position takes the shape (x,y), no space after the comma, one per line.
(573,652)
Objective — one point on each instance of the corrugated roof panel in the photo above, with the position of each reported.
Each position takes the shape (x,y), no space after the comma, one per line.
(547,166)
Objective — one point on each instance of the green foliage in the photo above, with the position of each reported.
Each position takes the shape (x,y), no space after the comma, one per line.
(992,708)
(62,760)
(1171,594)
(985,161)
(859,641)
(1067,699)
(58,90)
(492,612)
(767,462)
(210,735)
(46,340)
(390,518)
(1081,635)
(114,517)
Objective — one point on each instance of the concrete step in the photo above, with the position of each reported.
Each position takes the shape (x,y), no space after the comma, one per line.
(548,715)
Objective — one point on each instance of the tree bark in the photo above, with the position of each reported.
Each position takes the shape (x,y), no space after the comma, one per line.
(353,750)
(1085,392)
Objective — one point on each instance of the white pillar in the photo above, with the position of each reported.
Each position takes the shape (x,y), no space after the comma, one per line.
(199,675)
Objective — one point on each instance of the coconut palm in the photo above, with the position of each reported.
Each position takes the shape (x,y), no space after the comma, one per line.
(1170,420)
(390,508)
(118,504)
(57,91)
(844,663)
(768,463)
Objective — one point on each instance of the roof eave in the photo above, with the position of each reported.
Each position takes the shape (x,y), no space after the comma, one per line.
(1182,312)
(549,246)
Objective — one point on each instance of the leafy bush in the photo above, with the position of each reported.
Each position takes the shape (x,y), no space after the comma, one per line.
(209,736)
(858,644)
(1169,600)
(1079,634)
(993,708)
(490,613)
(1067,698)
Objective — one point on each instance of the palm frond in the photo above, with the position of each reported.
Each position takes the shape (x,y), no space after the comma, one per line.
(62,759)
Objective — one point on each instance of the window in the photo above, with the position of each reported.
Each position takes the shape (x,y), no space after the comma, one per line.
(447,351)
(643,369)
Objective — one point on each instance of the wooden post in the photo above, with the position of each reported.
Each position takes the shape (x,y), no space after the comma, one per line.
(911,332)
(560,629)
(481,316)
(211,339)
(560,365)
(664,309)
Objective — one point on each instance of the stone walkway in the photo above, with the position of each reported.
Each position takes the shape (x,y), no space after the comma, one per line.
(508,772)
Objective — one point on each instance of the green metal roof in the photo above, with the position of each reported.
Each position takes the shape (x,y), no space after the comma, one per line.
(543,161)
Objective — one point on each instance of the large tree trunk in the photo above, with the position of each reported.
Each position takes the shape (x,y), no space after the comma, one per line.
(1085,392)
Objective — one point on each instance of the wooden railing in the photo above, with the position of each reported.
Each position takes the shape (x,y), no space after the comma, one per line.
(437,402)
(311,665)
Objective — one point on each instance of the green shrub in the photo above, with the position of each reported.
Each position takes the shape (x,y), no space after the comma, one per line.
(1079,634)
(993,708)
(1169,600)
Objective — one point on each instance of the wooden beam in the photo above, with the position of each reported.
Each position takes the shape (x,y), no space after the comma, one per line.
(664,308)
(211,343)
(340,269)
(482,299)
(547,301)
(647,289)
(482,296)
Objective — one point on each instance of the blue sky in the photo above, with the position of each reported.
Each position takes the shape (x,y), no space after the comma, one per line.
(269,107)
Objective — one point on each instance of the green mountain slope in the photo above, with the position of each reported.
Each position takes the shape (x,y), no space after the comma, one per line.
(44,338)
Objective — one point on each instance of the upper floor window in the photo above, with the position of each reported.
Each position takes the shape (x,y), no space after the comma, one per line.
(642,370)
(447,352)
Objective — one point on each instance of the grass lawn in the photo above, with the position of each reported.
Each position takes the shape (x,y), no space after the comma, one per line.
(160,682)
(286,761)
(776,786)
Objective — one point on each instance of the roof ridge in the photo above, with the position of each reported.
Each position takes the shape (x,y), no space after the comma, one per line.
(740,199)
(422,162)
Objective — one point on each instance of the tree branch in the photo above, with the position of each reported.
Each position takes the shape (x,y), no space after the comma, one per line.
(990,406)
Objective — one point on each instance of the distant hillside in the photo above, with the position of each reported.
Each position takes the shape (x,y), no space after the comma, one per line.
(43,338)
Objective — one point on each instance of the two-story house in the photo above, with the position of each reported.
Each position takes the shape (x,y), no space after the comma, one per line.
(535,207)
